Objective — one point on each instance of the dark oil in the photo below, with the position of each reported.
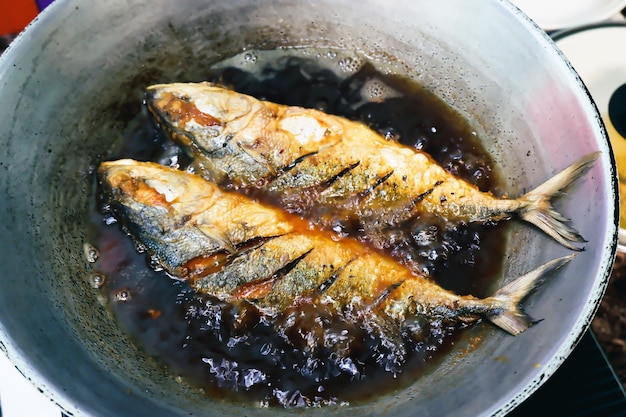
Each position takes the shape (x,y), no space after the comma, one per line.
(306,356)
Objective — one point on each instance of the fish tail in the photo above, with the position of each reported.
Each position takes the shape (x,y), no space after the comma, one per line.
(513,319)
(537,209)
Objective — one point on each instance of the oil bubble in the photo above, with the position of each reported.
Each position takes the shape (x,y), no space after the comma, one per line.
(350,64)
(109,220)
(266,349)
(155,263)
(122,295)
(97,280)
(376,90)
(252,377)
(250,57)
(91,253)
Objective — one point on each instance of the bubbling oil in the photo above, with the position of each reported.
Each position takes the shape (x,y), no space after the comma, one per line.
(306,355)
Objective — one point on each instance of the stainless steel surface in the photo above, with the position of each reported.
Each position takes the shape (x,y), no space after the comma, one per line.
(68,81)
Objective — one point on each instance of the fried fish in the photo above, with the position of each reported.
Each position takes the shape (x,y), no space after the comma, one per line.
(234,248)
(304,157)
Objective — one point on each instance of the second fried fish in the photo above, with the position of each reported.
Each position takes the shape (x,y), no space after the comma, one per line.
(233,248)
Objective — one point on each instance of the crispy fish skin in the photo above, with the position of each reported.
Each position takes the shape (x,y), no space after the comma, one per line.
(147,200)
(235,248)
(308,157)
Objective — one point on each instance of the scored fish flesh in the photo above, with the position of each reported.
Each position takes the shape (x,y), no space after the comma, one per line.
(304,157)
(234,248)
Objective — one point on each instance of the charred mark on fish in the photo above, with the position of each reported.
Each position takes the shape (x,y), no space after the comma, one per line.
(203,265)
(387,292)
(345,171)
(414,203)
(379,181)
(296,162)
(258,289)
(324,286)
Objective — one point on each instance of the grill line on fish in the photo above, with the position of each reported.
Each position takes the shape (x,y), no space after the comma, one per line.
(234,248)
(304,157)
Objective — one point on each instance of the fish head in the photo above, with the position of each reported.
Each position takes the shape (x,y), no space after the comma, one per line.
(199,115)
(149,185)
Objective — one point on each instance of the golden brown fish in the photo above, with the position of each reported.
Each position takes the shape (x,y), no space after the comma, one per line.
(234,248)
(304,157)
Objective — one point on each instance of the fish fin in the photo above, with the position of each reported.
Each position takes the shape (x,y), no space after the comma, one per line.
(221,239)
(259,158)
(513,319)
(538,210)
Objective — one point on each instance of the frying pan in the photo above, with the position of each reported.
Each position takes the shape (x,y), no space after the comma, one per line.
(72,81)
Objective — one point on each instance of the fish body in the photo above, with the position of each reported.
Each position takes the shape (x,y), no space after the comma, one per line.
(234,248)
(304,158)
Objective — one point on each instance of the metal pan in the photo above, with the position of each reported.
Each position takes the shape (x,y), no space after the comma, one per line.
(71,82)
